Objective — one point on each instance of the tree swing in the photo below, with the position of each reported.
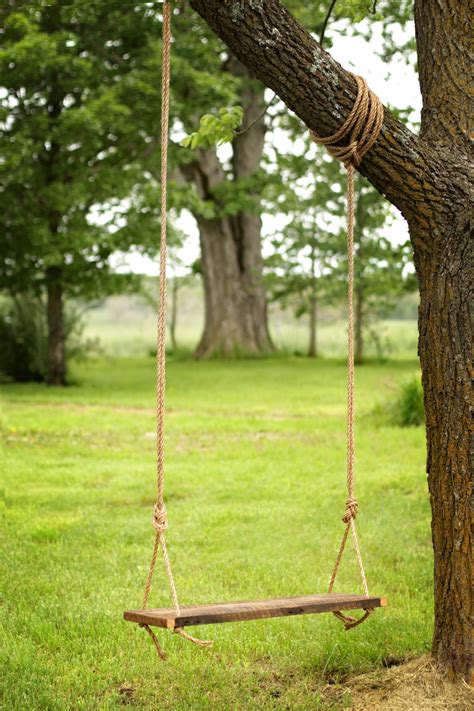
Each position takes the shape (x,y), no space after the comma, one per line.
(358,134)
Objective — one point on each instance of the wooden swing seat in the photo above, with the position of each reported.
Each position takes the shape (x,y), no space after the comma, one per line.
(252,610)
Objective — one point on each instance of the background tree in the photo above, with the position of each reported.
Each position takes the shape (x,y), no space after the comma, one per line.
(229,183)
(307,249)
(297,268)
(226,202)
(83,101)
(309,260)
(75,112)
(426,177)
(381,275)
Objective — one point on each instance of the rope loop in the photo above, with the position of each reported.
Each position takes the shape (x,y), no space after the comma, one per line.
(160,518)
(361,127)
(195,640)
(352,506)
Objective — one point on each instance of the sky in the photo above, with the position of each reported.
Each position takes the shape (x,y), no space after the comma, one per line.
(396,84)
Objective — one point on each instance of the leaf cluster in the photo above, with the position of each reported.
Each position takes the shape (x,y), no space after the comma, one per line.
(215,129)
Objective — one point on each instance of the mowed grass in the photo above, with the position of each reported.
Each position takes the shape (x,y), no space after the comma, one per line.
(255,492)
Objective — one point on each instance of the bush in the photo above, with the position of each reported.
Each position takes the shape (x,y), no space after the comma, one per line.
(24,338)
(408,409)
(23,334)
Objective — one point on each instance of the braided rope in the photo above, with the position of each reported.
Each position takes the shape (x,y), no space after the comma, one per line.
(358,134)
(160,518)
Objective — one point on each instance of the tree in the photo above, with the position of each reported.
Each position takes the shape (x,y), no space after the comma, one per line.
(297,265)
(227,210)
(309,261)
(73,141)
(380,266)
(229,189)
(427,177)
(307,250)
(381,275)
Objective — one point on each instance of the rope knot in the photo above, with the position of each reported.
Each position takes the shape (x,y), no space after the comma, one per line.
(349,155)
(160,519)
(360,129)
(351,509)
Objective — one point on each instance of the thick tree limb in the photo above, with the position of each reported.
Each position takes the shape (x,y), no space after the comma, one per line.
(283,55)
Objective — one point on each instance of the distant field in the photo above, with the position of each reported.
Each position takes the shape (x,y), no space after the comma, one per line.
(125,326)
(255,492)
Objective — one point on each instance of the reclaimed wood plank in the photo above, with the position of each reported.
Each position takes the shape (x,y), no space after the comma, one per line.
(252,609)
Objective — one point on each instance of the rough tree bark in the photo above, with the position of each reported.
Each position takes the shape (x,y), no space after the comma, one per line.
(55,319)
(427,178)
(231,256)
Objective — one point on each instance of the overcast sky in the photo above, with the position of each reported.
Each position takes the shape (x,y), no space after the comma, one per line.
(396,84)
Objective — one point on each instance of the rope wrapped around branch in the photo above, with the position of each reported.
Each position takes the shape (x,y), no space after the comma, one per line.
(349,144)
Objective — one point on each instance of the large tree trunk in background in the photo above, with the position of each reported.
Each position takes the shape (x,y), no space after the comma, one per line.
(55,314)
(231,253)
(235,309)
(427,178)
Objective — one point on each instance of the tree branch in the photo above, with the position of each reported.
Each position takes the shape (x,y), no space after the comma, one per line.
(325,23)
(285,57)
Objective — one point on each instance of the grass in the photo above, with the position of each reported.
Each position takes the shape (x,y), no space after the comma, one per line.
(136,337)
(255,491)
(124,326)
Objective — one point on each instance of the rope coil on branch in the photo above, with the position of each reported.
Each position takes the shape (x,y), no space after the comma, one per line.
(349,144)
(361,127)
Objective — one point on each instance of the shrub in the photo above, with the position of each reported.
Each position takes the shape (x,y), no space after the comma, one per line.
(24,338)
(23,334)
(408,409)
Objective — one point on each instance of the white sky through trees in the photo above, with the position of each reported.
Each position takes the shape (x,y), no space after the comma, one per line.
(396,83)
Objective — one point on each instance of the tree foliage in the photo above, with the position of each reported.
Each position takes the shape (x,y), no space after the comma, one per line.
(78,110)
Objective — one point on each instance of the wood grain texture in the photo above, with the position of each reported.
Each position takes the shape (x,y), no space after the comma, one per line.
(252,610)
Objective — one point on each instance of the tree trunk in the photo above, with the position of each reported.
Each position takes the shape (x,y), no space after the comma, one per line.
(445,349)
(55,313)
(428,178)
(313,314)
(359,282)
(174,312)
(235,315)
(231,254)
(445,326)
(359,325)
(313,317)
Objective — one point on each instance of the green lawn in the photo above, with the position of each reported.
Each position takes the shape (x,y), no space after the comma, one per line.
(255,491)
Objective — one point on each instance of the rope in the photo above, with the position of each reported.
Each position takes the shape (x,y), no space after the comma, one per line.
(160,518)
(357,135)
